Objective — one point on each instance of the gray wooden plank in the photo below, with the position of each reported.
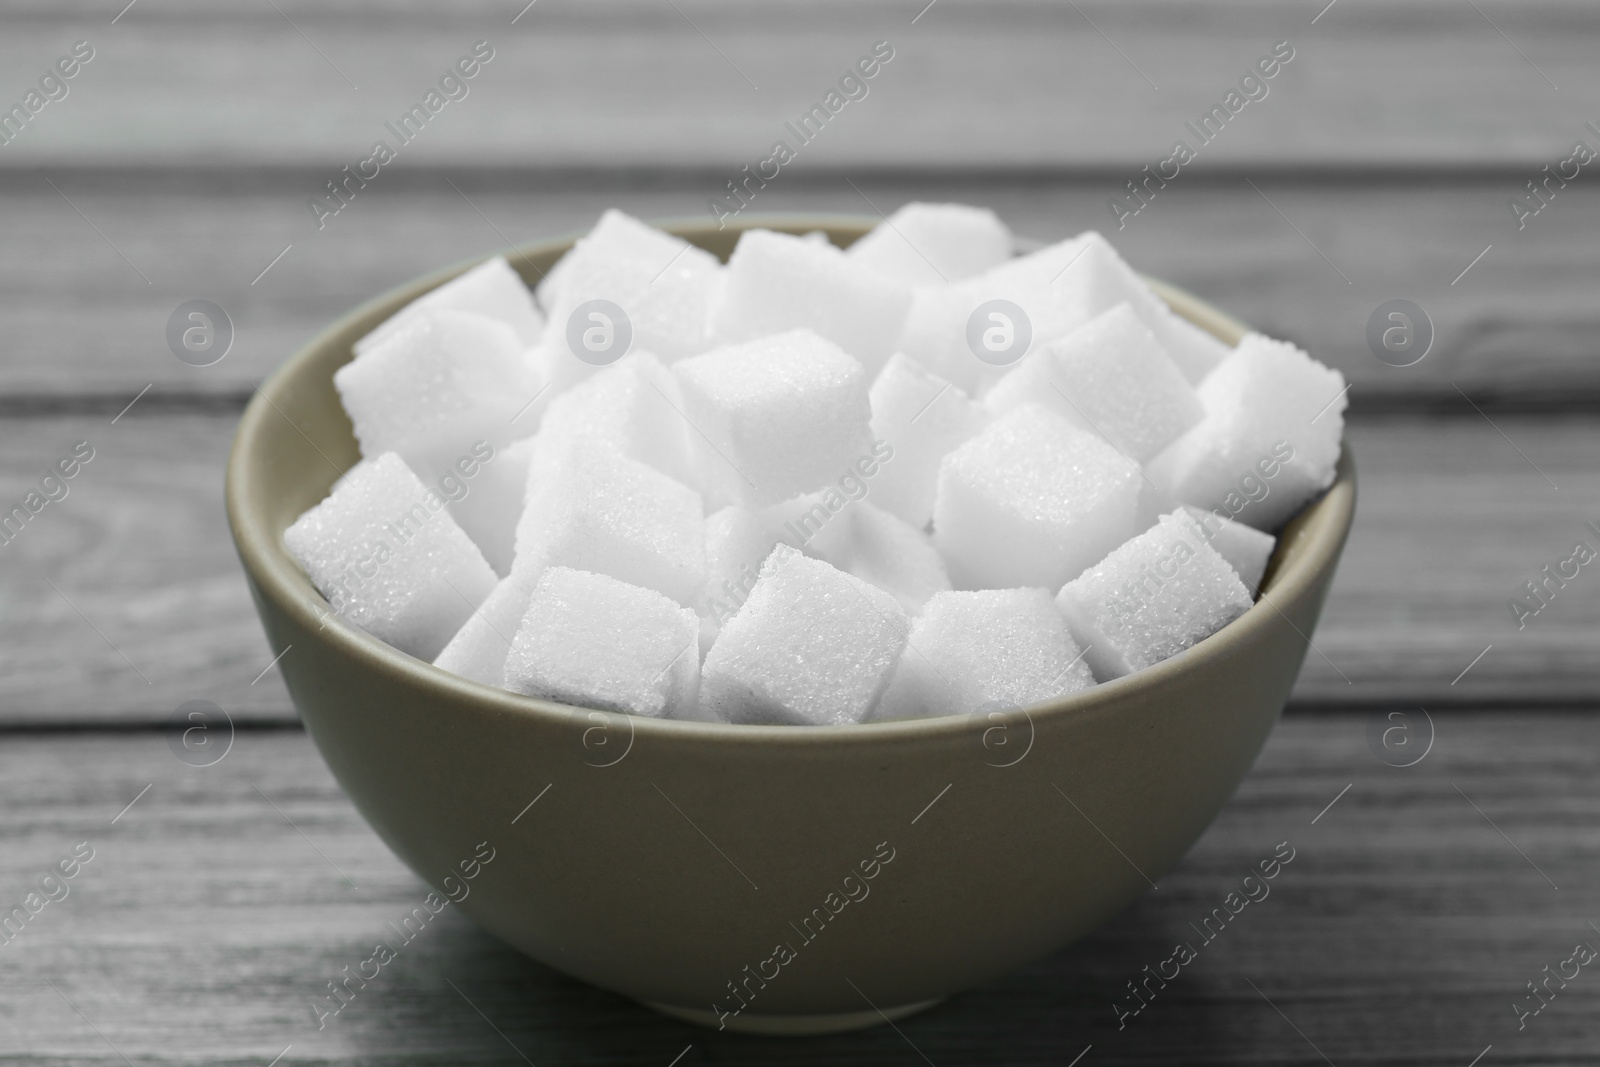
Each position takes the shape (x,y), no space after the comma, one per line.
(1453,517)
(79,318)
(1401,933)
(1425,83)
(125,599)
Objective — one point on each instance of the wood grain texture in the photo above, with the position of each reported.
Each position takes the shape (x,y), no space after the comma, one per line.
(1401,932)
(1019,83)
(79,317)
(125,599)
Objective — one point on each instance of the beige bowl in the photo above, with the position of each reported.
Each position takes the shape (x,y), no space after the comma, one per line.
(763,878)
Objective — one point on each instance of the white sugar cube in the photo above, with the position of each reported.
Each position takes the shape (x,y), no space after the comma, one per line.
(930,244)
(356,471)
(881,548)
(491,289)
(939,326)
(593,641)
(1269,441)
(1109,376)
(774,418)
(1100,280)
(1032,500)
(1247,550)
(386,554)
(921,417)
(478,650)
(777,282)
(633,405)
(664,285)
(994,649)
(591,508)
(485,491)
(737,542)
(440,382)
(1151,598)
(811,646)
(615,235)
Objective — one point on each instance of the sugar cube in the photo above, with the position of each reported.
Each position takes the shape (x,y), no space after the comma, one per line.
(663,284)
(440,382)
(593,641)
(737,541)
(491,289)
(811,646)
(1247,550)
(615,235)
(478,650)
(357,471)
(774,418)
(485,491)
(1032,500)
(1099,280)
(936,332)
(1151,598)
(920,417)
(778,282)
(986,650)
(591,508)
(1109,376)
(634,405)
(388,557)
(1270,438)
(929,244)
(882,549)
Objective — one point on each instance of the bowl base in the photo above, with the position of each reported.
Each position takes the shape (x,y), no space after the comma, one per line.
(790,1025)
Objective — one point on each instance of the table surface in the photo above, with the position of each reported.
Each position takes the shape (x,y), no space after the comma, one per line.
(1380,165)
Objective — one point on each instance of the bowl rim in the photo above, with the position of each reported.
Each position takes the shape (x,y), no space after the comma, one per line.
(275,574)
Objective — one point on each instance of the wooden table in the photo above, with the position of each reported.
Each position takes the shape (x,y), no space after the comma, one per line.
(219,900)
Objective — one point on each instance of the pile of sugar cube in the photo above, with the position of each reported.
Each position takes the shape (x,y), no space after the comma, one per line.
(919,476)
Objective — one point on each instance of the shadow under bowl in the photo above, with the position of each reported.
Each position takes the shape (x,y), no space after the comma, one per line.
(763,878)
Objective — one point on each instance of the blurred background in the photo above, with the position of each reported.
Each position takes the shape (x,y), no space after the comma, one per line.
(1417,150)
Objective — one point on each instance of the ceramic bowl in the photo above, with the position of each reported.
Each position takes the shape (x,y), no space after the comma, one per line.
(763,878)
